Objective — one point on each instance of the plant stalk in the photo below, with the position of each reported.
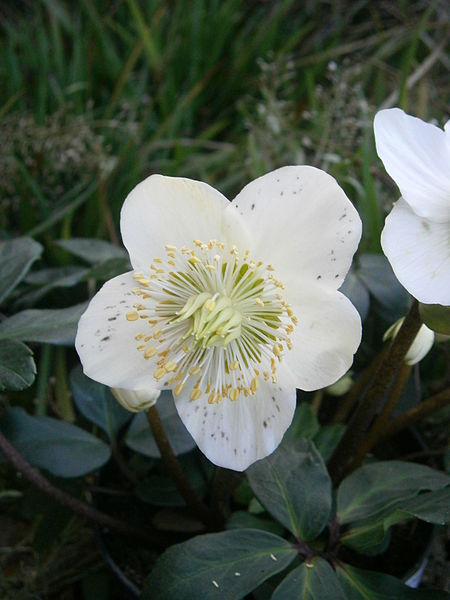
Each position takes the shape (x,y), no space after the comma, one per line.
(411,416)
(222,487)
(357,428)
(346,406)
(380,424)
(77,506)
(183,486)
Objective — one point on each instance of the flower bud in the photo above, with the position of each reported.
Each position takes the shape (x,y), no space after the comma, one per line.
(341,386)
(136,400)
(421,345)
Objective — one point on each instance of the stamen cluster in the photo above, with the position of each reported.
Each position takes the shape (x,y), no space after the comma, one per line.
(212,315)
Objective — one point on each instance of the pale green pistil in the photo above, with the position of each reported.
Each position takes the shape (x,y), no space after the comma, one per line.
(214,321)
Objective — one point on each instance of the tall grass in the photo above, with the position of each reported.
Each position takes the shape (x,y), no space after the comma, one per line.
(177,87)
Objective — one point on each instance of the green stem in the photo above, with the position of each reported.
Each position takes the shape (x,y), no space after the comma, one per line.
(183,486)
(43,379)
(357,428)
(381,422)
(222,487)
(63,400)
(347,404)
(411,416)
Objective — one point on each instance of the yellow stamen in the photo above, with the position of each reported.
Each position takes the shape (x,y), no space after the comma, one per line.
(151,351)
(195,394)
(234,394)
(159,373)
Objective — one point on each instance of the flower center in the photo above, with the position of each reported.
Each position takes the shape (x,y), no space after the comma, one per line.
(218,321)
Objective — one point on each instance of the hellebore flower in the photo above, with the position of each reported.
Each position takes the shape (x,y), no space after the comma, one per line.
(231,305)
(416,235)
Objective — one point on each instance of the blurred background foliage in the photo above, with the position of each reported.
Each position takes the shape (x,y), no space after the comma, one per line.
(95,95)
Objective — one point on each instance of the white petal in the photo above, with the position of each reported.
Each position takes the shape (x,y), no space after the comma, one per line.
(325,339)
(419,253)
(106,341)
(170,210)
(417,157)
(236,434)
(302,223)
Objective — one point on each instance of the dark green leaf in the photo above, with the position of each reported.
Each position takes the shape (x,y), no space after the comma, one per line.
(436,317)
(161,490)
(368,585)
(305,423)
(432,507)
(294,486)
(55,326)
(241,519)
(16,257)
(96,402)
(109,269)
(50,279)
(327,438)
(17,368)
(225,565)
(379,486)
(63,449)
(140,439)
(91,250)
(372,537)
(376,273)
(357,293)
(315,580)
(369,538)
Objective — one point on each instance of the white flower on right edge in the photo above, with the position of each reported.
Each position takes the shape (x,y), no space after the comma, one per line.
(416,235)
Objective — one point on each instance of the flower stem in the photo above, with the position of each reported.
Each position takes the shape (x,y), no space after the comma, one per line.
(380,424)
(356,431)
(77,506)
(222,487)
(358,388)
(183,486)
(411,416)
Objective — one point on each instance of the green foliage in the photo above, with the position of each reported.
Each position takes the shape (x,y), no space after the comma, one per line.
(97,404)
(231,564)
(17,367)
(312,580)
(91,250)
(293,485)
(377,275)
(373,488)
(159,489)
(436,317)
(140,439)
(50,326)
(367,585)
(61,448)
(94,99)
(16,257)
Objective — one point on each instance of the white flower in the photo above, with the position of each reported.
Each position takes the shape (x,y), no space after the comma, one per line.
(136,400)
(416,236)
(421,345)
(232,305)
